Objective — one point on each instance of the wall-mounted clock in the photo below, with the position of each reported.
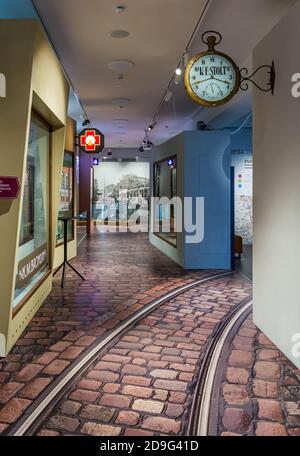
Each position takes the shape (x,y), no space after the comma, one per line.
(211,77)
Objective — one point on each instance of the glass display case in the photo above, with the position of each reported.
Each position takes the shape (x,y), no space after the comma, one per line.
(33,251)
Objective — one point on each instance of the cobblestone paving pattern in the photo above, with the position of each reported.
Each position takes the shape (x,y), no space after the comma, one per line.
(124,272)
(144,384)
(261,388)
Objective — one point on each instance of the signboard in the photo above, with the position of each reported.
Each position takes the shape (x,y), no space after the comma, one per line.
(91,141)
(9,187)
(30,265)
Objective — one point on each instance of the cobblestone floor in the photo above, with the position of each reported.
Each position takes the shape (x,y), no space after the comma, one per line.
(261,388)
(144,384)
(124,272)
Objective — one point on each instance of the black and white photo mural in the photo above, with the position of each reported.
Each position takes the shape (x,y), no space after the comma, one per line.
(121,194)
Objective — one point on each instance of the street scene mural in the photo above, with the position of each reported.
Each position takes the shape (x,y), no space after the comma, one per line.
(121,192)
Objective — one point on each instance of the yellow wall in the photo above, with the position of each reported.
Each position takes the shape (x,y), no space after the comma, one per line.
(34,79)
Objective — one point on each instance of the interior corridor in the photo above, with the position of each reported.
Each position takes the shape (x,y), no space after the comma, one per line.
(149,222)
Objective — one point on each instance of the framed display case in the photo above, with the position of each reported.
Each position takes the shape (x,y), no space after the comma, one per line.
(33,253)
(165,185)
(66,201)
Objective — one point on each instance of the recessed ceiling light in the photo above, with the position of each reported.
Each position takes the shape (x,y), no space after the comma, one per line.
(121,66)
(120,9)
(120,121)
(120,101)
(120,34)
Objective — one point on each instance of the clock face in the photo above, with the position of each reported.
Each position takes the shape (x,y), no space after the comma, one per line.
(212,79)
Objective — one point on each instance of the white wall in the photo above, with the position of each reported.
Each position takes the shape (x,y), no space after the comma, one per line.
(276,125)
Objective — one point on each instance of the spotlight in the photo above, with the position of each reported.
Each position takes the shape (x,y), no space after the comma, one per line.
(148,146)
(178,73)
(120,9)
(86,122)
(95,161)
(171,163)
(152,125)
(168,95)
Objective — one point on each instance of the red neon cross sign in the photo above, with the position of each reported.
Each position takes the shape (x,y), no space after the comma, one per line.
(90,140)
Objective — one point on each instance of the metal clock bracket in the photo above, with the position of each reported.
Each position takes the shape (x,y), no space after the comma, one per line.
(246,78)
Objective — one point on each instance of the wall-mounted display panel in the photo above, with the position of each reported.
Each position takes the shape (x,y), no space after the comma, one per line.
(33,250)
(120,190)
(66,202)
(242,162)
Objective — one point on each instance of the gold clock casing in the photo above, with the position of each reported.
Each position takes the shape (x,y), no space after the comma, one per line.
(199,100)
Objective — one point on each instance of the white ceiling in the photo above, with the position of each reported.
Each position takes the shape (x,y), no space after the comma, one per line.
(80,31)
(159,32)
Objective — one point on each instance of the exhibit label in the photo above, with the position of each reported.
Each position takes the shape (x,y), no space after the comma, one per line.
(9,187)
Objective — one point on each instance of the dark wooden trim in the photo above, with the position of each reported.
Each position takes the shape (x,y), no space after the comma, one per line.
(171,157)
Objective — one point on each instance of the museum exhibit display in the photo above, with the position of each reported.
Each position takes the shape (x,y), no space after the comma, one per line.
(29,223)
(202,161)
(66,205)
(33,250)
(120,192)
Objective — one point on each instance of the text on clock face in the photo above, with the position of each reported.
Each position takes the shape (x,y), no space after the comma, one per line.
(212,70)
(212,78)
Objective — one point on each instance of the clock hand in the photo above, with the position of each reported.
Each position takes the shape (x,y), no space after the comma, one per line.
(221,80)
(200,82)
(209,79)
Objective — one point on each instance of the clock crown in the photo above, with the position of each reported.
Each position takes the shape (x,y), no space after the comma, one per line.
(211,42)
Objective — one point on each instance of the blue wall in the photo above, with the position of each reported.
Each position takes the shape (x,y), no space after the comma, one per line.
(242,140)
(17,9)
(207,162)
(203,170)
